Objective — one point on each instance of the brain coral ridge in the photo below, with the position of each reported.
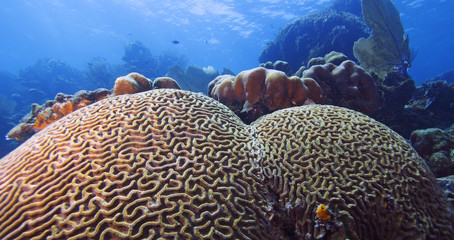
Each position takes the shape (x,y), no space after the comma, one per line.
(171,164)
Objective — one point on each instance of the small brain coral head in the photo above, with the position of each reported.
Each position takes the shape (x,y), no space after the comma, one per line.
(263,90)
(131,83)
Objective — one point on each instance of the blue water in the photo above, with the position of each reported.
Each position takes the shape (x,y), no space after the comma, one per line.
(221,34)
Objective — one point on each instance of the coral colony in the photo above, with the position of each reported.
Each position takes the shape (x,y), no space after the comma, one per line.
(264,154)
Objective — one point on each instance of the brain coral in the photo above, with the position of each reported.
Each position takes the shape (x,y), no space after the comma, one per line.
(259,91)
(346,85)
(168,164)
(375,183)
(161,165)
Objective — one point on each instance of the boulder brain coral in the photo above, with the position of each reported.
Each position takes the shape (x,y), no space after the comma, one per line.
(174,164)
(152,165)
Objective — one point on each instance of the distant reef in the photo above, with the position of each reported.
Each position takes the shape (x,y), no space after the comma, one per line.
(447,76)
(316,34)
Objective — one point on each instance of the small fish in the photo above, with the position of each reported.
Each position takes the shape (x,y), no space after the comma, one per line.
(429,101)
(175,42)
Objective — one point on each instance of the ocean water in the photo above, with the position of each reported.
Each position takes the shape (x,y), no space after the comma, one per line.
(44,40)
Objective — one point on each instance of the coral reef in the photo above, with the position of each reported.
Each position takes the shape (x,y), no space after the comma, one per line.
(447,185)
(434,101)
(57,76)
(132,83)
(165,82)
(315,35)
(278,65)
(194,78)
(346,85)
(395,92)
(351,6)
(138,58)
(170,163)
(447,76)
(226,71)
(7,105)
(43,115)
(259,91)
(388,46)
(436,146)
(333,57)
(99,72)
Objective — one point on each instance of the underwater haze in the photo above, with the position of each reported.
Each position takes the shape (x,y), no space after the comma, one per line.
(89,43)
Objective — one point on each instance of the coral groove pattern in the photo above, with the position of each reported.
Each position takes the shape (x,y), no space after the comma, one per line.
(168,164)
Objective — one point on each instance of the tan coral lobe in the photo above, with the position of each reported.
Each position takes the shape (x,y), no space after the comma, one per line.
(131,83)
(346,85)
(263,88)
(165,82)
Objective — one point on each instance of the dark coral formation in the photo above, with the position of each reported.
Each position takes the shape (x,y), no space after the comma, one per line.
(447,185)
(170,163)
(138,58)
(395,92)
(346,85)
(315,35)
(437,98)
(256,92)
(432,106)
(436,146)
(51,76)
(447,76)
